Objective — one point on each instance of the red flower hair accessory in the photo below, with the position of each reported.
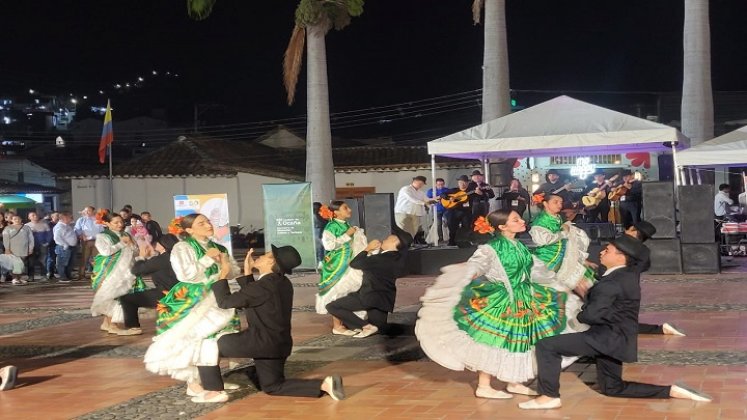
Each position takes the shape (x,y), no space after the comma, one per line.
(100,215)
(175,226)
(538,198)
(326,213)
(483,226)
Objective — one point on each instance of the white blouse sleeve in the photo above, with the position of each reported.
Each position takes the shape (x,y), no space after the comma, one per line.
(542,236)
(330,242)
(486,262)
(105,246)
(186,265)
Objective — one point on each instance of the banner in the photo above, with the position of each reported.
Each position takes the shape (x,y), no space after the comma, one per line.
(289,219)
(212,206)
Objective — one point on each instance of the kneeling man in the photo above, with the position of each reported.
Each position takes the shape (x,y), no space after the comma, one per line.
(611,310)
(381,263)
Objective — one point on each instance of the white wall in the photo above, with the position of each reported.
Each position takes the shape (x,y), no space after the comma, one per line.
(391,182)
(156,195)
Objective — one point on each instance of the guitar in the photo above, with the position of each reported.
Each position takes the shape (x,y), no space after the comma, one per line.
(596,196)
(619,191)
(540,197)
(454,199)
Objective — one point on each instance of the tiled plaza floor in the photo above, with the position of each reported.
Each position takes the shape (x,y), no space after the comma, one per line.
(69,369)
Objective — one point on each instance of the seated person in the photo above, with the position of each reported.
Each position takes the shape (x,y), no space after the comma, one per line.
(268,303)
(380,263)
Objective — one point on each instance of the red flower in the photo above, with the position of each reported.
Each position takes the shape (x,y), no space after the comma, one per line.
(639,159)
(483,226)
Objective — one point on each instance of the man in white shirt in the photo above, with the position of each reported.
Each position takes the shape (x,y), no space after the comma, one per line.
(722,201)
(66,241)
(86,228)
(410,206)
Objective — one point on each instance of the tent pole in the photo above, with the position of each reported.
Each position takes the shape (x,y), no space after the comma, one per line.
(434,207)
(677,180)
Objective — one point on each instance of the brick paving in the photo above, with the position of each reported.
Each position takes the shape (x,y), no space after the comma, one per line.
(69,369)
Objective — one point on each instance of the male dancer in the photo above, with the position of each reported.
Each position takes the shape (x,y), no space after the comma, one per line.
(611,310)
(267,303)
(642,231)
(381,263)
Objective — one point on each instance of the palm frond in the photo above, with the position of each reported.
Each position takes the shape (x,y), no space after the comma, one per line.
(199,9)
(476,11)
(292,61)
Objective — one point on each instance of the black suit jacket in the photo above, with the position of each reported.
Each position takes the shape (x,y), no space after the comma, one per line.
(159,267)
(267,304)
(379,288)
(611,309)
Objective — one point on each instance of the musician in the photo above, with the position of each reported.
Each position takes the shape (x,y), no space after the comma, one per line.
(600,212)
(516,198)
(459,216)
(552,185)
(440,210)
(630,202)
(480,200)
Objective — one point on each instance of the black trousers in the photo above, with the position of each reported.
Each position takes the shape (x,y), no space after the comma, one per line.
(130,304)
(650,329)
(268,375)
(458,218)
(630,212)
(344,307)
(599,214)
(609,370)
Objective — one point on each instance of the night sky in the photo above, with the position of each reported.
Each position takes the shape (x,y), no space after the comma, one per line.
(397,51)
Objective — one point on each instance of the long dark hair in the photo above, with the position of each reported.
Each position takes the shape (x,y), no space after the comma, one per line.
(498,218)
(187,222)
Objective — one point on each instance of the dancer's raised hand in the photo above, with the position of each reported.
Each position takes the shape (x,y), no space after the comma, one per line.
(249,262)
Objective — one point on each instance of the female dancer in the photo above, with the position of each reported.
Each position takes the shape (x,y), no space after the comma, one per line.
(189,319)
(561,246)
(341,242)
(488,317)
(111,270)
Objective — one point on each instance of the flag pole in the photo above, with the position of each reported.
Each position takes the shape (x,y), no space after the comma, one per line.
(111,180)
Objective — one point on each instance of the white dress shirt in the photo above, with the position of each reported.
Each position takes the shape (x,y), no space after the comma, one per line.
(410,201)
(88,227)
(721,204)
(64,235)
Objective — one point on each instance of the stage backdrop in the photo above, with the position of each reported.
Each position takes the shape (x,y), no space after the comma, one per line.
(289,219)
(212,206)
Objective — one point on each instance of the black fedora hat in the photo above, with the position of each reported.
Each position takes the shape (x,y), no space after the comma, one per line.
(646,229)
(630,246)
(286,257)
(552,172)
(405,239)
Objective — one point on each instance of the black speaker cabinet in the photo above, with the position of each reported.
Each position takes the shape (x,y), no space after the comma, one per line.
(696,214)
(378,215)
(598,231)
(356,205)
(658,208)
(666,257)
(701,259)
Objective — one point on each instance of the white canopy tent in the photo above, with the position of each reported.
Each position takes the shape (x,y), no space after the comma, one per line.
(560,126)
(727,150)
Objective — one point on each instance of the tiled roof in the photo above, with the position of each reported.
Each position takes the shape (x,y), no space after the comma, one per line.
(196,156)
(387,158)
(10,187)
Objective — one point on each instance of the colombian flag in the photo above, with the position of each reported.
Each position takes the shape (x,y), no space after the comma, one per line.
(107,135)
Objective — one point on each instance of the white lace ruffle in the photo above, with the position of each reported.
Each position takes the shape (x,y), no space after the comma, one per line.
(178,351)
(350,282)
(118,283)
(572,269)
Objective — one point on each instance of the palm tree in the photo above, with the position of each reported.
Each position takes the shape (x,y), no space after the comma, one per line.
(496,94)
(314,18)
(697,93)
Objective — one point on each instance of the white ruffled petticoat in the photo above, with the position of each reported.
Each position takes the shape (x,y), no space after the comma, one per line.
(350,282)
(118,283)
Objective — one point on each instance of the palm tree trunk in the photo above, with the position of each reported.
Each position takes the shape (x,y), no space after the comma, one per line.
(496,94)
(496,97)
(697,93)
(319,165)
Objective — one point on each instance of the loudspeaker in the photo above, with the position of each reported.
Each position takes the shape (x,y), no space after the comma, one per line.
(658,208)
(598,231)
(378,215)
(356,205)
(701,259)
(666,257)
(666,168)
(696,214)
